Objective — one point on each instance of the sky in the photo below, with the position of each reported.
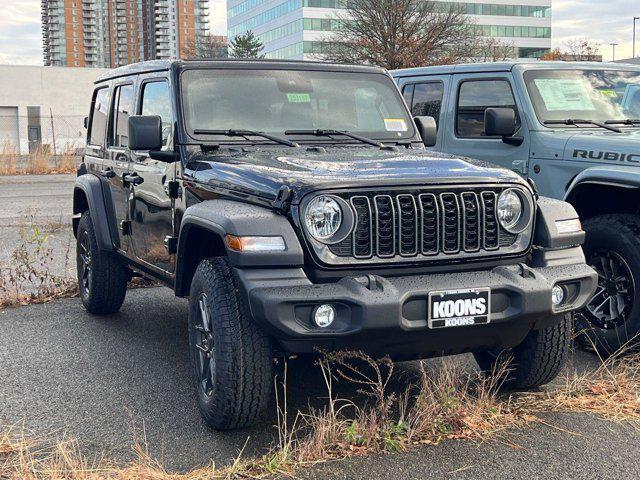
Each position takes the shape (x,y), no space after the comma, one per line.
(605,22)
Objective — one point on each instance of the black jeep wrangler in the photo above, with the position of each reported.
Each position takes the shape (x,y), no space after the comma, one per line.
(297,208)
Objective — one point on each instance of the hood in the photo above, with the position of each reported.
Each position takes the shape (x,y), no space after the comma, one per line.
(621,148)
(263,172)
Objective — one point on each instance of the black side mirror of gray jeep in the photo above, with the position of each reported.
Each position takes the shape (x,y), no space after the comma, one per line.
(86,122)
(145,132)
(427,129)
(501,122)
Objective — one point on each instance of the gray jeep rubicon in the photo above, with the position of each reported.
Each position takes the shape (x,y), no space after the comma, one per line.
(296,207)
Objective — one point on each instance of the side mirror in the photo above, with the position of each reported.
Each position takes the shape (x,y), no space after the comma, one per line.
(145,132)
(86,122)
(427,129)
(501,122)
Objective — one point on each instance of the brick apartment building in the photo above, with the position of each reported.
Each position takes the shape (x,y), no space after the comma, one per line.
(110,33)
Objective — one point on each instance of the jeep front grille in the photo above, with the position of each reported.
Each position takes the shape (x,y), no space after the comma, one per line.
(398,226)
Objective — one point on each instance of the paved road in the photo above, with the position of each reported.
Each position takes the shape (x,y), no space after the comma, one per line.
(46,198)
(102,379)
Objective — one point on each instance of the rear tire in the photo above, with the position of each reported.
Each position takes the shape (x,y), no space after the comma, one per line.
(102,276)
(536,361)
(611,319)
(232,359)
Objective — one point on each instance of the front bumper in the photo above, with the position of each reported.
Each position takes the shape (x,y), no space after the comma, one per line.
(388,315)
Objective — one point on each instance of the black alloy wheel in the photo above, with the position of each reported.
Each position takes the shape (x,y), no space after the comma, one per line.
(204,343)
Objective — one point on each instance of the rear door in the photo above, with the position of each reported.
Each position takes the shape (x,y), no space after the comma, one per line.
(116,163)
(97,129)
(471,95)
(150,204)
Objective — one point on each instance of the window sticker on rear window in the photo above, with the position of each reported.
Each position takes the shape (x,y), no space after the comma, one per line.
(299,98)
(395,125)
(564,94)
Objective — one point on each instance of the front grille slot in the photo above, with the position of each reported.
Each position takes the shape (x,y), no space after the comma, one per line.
(385,226)
(414,224)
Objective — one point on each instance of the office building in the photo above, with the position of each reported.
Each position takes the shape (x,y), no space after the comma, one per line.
(298,29)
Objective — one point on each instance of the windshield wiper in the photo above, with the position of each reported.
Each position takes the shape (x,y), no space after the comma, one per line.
(245,134)
(577,122)
(626,121)
(329,133)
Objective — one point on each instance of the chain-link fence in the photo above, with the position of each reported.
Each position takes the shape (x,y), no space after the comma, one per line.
(49,134)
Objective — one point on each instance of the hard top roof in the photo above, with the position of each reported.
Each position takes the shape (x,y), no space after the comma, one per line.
(165,65)
(524,64)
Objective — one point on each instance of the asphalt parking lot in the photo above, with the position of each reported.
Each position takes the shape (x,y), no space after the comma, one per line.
(110,380)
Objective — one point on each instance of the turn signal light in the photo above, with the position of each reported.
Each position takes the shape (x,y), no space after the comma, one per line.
(255,244)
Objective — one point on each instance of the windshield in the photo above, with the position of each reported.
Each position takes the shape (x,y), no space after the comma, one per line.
(595,95)
(274,101)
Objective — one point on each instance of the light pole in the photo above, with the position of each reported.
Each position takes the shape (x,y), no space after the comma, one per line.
(635,19)
(613,45)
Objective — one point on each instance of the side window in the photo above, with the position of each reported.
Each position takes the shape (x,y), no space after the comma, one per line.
(98,119)
(122,108)
(474,98)
(156,100)
(427,100)
(407,93)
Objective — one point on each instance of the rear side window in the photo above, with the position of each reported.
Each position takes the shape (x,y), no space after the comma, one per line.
(122,109)
(99,113)
(427,100)
(156,100)
(474,98)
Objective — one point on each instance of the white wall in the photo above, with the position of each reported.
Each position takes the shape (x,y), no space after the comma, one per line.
(61,91)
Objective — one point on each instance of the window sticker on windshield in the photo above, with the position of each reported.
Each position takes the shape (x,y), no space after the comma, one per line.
(395,124)
(299,98)
(564,94)
(608,93)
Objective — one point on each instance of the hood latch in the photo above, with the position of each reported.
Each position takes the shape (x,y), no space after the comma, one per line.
(283,200)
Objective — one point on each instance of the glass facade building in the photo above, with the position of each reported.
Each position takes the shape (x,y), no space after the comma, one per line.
(299,29)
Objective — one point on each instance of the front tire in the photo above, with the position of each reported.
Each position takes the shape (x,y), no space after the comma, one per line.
(611,319)
(536,361)
(102,276)
(232,359)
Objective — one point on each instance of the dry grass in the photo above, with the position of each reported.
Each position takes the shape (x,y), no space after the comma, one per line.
(37,163)
(27,277)
(448,403)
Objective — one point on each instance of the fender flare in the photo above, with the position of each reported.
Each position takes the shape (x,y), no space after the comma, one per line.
(613,176)
(88,186)
(223,217)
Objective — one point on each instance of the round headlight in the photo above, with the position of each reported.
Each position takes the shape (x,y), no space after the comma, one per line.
(323,217)
(510,209)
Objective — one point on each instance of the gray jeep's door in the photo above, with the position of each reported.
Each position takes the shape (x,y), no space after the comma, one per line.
(424,97)
(471,96)
(150,205)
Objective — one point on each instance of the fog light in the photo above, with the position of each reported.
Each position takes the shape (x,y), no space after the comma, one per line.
(557,295)
(324,316)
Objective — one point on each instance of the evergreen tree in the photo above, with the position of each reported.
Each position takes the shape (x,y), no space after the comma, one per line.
(246,46)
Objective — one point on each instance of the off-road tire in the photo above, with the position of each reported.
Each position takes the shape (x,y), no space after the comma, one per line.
(242,380)
(621,235)
(534,362)
(105,290)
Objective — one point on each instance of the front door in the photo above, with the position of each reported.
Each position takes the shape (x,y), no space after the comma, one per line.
(150,204)
(116,163)
(424,98)
(474,94)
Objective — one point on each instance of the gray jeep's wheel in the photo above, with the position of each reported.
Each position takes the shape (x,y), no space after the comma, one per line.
(102,276)
(611,319)
(536,361)
(232,359)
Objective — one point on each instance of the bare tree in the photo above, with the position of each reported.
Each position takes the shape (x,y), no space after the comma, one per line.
(402,33)
(208,46)
(583,49)
(490,49)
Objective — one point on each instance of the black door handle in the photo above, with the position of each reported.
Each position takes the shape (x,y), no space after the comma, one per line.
(108,173)
(132,179)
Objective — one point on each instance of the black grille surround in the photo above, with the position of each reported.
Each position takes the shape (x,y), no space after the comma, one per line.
(428,224)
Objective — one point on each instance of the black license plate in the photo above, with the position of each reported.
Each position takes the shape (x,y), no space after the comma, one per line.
(459,308)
